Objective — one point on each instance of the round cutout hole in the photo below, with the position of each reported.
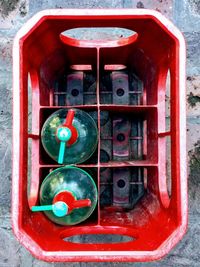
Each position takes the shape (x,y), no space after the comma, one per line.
(120,91)
(75,92)
(120,137)
(121,183)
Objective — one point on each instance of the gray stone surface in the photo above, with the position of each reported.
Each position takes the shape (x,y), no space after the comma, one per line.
(186,15)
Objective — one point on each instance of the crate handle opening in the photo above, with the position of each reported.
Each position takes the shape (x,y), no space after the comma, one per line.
(99,238)
(98,37)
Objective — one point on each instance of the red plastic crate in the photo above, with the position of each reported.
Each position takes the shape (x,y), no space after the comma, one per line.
(131,101)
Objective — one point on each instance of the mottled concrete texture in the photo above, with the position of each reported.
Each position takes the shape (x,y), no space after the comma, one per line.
(186,15)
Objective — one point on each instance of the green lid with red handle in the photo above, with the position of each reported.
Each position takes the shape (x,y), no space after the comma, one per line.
(68,196)
(69,136)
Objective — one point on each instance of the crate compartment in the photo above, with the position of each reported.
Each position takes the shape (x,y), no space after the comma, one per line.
(145,215)
(33,222)
(120,87)
(128,135)
(75,88)
(68,81)
(44,114)
(121,188)
(127,76)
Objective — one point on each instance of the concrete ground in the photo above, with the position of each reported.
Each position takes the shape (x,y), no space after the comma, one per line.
(186,15)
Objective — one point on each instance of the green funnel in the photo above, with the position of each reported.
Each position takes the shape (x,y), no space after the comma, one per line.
(68,196)
(69,136)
